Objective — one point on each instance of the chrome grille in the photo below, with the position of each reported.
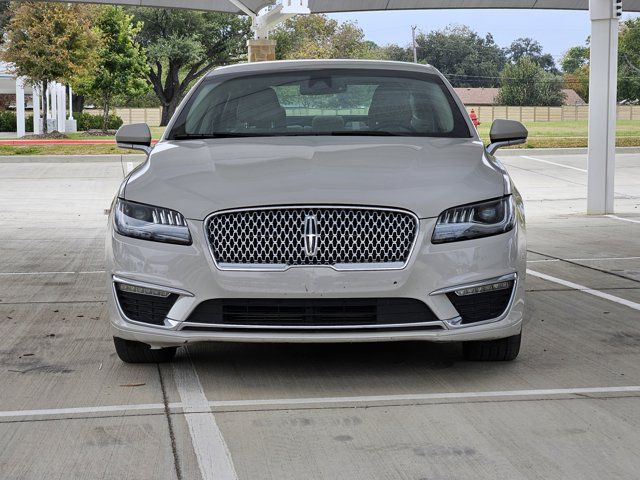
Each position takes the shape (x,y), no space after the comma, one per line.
(347,238)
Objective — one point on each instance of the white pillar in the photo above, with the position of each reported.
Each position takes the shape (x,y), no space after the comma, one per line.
(70,103)
(53,107)
(62,107)
(70,124)
(603,75)
(36,109)
(20,121)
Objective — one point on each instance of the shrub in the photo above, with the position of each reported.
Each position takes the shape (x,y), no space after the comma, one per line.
(88,121)
(9,122)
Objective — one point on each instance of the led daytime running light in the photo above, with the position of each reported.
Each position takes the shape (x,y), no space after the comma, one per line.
(492,287)
(125,287)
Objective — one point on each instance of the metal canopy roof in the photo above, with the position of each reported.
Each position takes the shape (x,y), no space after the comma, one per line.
(329,6)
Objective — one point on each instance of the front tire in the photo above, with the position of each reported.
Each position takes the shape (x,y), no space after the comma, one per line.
(501,350)
(130,351)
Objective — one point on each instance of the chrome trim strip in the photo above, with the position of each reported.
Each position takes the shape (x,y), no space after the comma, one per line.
(340,267)
(493,146)
(138,283)
(435,323)
(281,267)
(135,146)
(503,278)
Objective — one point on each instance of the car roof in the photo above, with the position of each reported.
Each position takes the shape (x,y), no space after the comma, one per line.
(279,65)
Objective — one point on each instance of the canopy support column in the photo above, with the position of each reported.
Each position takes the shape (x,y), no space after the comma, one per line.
(262,48)
(603,75)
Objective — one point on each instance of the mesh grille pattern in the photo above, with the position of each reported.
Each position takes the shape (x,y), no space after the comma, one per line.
(277,236)
(481,306)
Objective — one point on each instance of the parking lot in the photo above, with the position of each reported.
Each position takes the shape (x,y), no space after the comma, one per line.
(567,408)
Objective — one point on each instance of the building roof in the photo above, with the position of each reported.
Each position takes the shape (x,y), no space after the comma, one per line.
(327,6)
(487,96)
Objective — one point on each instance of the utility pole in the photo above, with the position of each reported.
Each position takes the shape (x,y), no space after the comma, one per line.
(413,41)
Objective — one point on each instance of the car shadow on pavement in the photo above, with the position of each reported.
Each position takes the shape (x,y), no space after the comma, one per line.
(236,371)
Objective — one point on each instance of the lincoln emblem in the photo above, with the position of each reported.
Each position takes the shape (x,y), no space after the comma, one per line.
(311,236)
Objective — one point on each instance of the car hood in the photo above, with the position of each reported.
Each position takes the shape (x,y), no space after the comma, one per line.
(423,175)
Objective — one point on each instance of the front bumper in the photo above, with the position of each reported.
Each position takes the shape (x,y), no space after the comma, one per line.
(431,270)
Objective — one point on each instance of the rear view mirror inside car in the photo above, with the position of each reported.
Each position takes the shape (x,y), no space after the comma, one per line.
(322,86)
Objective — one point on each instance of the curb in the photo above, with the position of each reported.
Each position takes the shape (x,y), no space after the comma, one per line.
(516,152)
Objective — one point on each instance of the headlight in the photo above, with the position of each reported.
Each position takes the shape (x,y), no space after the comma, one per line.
(150,223)
(475,221)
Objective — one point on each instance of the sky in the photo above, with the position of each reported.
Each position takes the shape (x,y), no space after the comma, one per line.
(557,31)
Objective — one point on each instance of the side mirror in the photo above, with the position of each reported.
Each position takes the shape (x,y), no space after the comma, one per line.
(504,133)
(136,136)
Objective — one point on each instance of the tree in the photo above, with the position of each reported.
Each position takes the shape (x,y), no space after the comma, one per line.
(122,65)
(318,36)
(49,42)
(5,16)
(575,65)
(629,60)
(526,83)
(395,52)
(574,59)
(467,59)
(528,47)
(578,81)
(182,45)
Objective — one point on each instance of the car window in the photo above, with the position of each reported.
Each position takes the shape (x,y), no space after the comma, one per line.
(322,102)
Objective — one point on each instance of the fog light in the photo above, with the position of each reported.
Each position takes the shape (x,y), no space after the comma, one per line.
(492,287)
(125,287)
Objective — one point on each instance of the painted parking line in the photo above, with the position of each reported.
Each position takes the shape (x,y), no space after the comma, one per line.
(86,272)
(212,453)
(593,259)
(582,288)
(202,408)
(372,400)
(554,163)
(115,409)
(615,217)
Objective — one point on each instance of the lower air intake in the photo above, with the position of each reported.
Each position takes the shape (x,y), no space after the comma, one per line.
(292,313)
(145,308)
(481,306)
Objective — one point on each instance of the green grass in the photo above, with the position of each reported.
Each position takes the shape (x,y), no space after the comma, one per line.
(541,135)
(62,150)
(572,132)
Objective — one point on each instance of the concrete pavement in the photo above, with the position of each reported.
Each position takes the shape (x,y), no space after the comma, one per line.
(568,408)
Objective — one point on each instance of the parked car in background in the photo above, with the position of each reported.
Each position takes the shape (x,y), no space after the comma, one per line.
(318,201)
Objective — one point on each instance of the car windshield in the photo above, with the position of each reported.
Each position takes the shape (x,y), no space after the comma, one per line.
(321,102)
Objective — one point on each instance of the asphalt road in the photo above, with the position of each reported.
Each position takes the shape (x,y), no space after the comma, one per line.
(567,408)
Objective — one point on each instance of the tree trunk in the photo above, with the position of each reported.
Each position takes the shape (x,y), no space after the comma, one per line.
(77,103)
(168,110)
(45,107)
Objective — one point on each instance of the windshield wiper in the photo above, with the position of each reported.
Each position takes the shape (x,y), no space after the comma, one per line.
(368,133)
(201,136)
(339,133)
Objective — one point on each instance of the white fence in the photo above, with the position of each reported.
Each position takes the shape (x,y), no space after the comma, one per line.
(488,113)
(485,113)
(150,116)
